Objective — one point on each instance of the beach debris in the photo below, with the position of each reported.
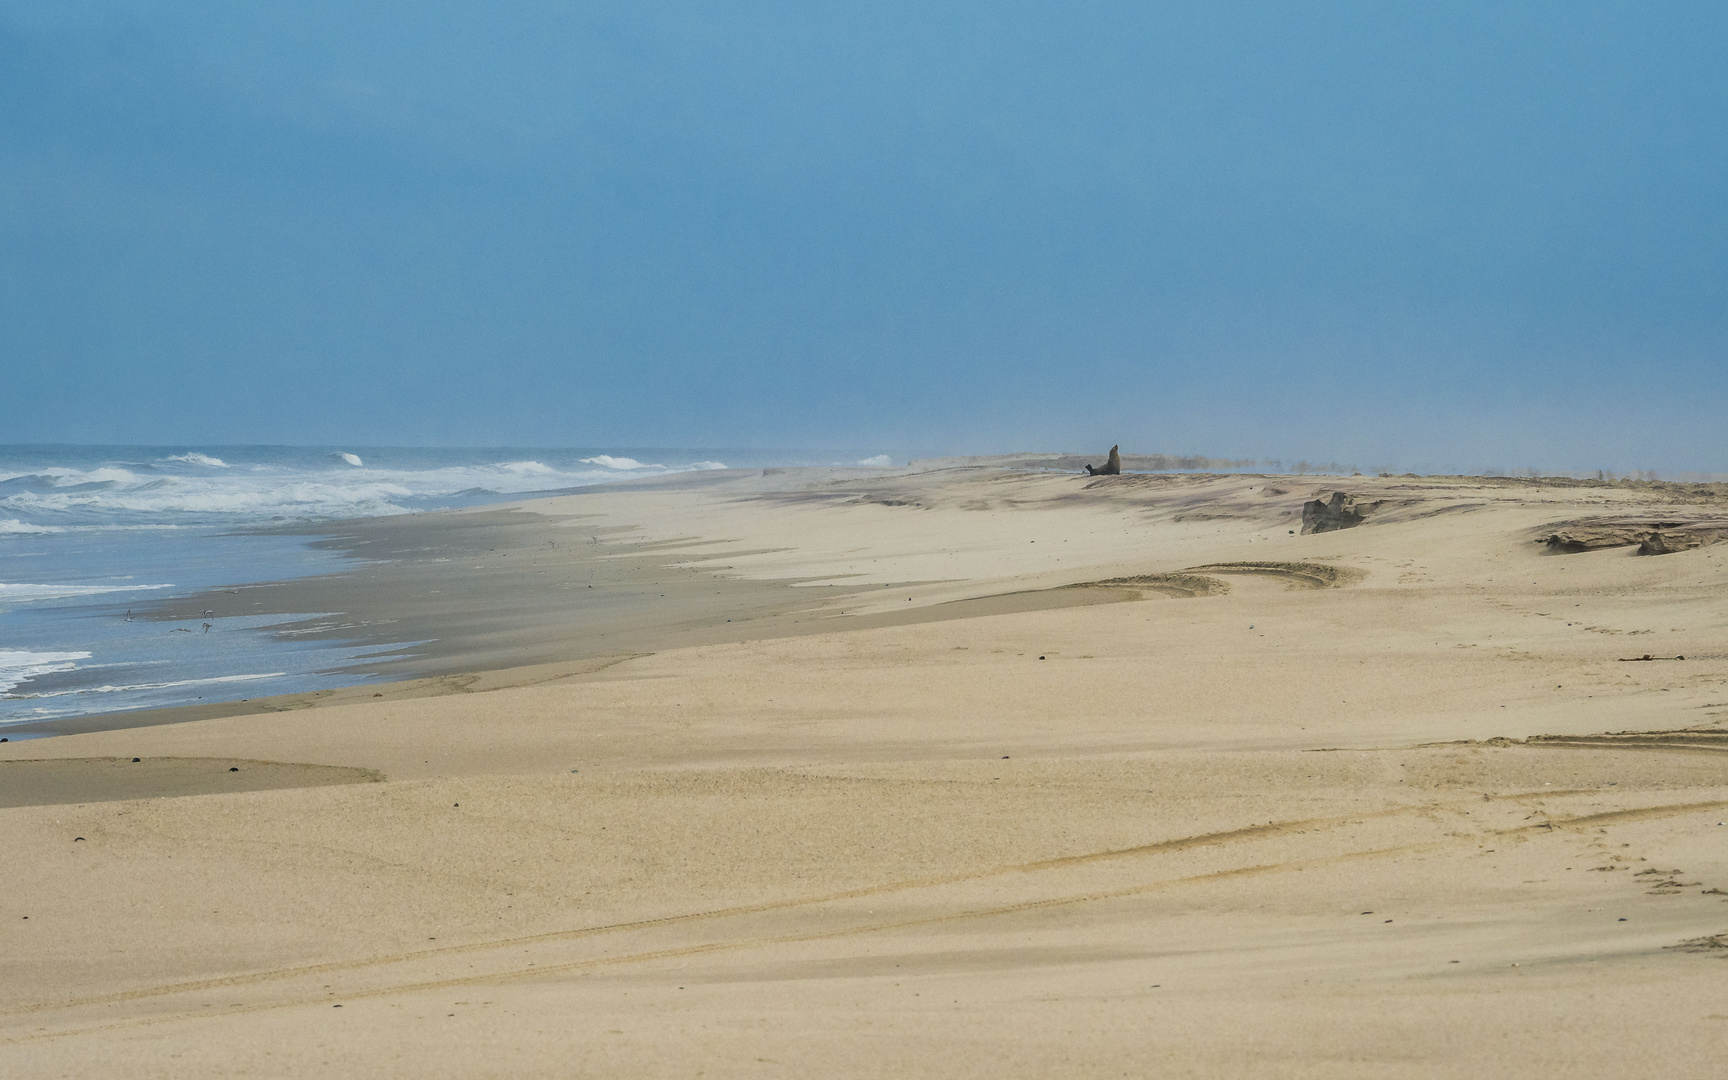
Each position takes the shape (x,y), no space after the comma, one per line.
(1299,575)
(136,760)
(1702,944)
(1181,585)
(1661,543)
(233,768)
(1111,467)
(1646,656)
(1339,510)
(1651,536)
(1575,537)
(179,630)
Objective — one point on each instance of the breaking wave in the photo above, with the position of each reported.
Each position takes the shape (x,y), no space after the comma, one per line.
(169,684)
(200,488)
(17,665)
(25,592)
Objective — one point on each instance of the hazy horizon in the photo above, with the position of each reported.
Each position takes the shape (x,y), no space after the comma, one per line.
(1463,237)
(1134,459)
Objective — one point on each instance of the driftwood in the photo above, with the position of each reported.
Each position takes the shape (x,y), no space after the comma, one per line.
(1652,537)
(1340,510)
(1112,467)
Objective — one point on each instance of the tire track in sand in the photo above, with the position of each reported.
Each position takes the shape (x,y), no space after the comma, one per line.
(1549,825)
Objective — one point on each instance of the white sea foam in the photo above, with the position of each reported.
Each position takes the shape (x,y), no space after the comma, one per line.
(611,462)
(25,591)
(17,665)
(86,518)
(880,461)
(14,527)
(287,486)
(152,685)
(265,493)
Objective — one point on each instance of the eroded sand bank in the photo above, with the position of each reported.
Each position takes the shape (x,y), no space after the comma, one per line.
(1048,775)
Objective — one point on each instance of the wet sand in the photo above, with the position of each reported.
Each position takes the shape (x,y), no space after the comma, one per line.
(1230,815)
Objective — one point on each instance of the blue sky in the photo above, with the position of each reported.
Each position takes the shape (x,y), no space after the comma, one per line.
(1446,235)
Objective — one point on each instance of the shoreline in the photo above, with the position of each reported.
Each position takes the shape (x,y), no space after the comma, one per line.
(603,573)
(1129,759)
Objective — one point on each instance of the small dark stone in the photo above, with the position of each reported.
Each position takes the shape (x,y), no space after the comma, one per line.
(137,759)
(1004,757)
(1040,658)
(234,768)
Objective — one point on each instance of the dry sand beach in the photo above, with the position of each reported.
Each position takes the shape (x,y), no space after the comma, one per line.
(993,773)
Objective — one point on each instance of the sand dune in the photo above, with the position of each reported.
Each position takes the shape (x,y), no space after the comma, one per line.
(1007,773)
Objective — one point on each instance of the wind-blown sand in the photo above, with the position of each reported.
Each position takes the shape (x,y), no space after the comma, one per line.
(997,774)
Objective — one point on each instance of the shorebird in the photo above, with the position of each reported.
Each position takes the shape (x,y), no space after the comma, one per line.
(206,628)
(128,614)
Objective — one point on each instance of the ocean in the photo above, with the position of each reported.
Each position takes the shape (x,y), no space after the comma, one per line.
(91,534)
